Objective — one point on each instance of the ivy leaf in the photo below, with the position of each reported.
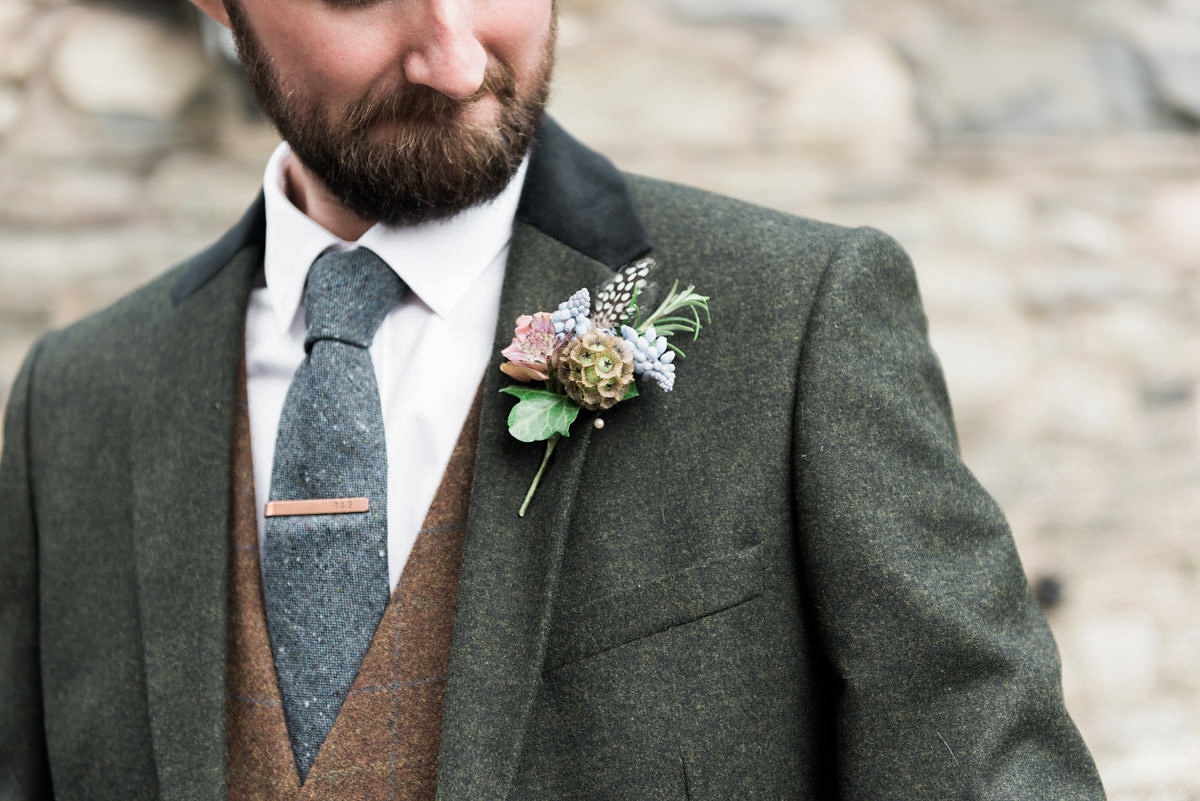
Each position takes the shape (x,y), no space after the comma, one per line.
(540,414)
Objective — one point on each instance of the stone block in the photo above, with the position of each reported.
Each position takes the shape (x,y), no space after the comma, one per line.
(10,108)
(1147,751)
(900,211)
(997,216)
(812,14)
(1084,402)
(1141,332)
(585,6)
(1008,80)
(1072,285)
(68,197)
(774,180)
(1083,232)
(1171,44)
(1169,223)
(1182,650)
(52,133)
(17,46)
(70,274)
(1129,86)
(1189,9)
(203,188)
(657,95)
(960,283)
(848,93)
(116,64)
(986,364)
(1121,654)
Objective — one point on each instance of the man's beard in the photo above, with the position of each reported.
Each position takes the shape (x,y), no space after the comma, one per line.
(431,164)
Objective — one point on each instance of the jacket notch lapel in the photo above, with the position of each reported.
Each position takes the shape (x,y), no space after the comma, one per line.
(510,564)
(182,451)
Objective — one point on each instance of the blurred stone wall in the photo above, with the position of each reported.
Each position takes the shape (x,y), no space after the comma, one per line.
(1039,160)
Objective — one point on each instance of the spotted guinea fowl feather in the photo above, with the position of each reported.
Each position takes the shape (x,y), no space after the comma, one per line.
(614,301)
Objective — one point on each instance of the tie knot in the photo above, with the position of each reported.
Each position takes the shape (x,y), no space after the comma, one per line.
(347,295)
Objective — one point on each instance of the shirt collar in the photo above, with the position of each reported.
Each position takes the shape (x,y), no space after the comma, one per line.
(439,261)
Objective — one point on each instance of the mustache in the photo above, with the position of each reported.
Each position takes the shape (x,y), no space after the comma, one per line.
(421,104)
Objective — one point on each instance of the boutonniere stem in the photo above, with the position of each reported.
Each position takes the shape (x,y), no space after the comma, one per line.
(551,442)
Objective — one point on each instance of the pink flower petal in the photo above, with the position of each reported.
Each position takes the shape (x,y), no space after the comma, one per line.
(522,371)
(514,352)
(523,324)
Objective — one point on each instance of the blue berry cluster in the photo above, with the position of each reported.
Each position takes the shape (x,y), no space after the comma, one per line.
(571,318)
(652,357)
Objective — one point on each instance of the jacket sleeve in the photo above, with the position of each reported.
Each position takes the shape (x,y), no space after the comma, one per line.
(24,772)
(947,675)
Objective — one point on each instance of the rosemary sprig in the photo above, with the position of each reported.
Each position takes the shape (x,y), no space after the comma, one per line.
(679,311)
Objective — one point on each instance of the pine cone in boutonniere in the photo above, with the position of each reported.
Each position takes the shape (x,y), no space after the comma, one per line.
(588,358)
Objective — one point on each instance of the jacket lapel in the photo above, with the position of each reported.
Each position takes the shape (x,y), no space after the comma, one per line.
(181,456)
(575,225)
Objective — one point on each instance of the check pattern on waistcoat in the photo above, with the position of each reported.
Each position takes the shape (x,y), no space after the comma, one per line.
(384,743)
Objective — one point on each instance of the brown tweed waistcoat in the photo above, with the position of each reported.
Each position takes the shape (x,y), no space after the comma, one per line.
(384,743)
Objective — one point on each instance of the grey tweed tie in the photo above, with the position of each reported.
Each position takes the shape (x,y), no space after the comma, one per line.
(325,576)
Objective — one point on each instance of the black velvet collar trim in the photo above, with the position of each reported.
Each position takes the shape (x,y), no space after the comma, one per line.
(575,195)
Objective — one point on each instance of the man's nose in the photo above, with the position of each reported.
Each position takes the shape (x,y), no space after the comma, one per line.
(445,53)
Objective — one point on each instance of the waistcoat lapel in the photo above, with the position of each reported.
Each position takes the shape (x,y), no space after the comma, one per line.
(260,762)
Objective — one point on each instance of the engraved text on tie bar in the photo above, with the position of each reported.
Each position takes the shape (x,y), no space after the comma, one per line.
(317,506)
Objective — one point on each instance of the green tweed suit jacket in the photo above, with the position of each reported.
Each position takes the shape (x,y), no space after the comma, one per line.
(778,581)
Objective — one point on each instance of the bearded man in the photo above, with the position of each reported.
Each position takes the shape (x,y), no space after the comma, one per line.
(264,533)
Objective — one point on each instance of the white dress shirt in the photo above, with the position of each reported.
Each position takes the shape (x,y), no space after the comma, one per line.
(429,354)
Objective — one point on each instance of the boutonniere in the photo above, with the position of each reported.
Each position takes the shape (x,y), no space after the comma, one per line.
(583,357)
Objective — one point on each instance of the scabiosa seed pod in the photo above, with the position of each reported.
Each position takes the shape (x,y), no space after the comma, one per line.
(595,369)
(570,319)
